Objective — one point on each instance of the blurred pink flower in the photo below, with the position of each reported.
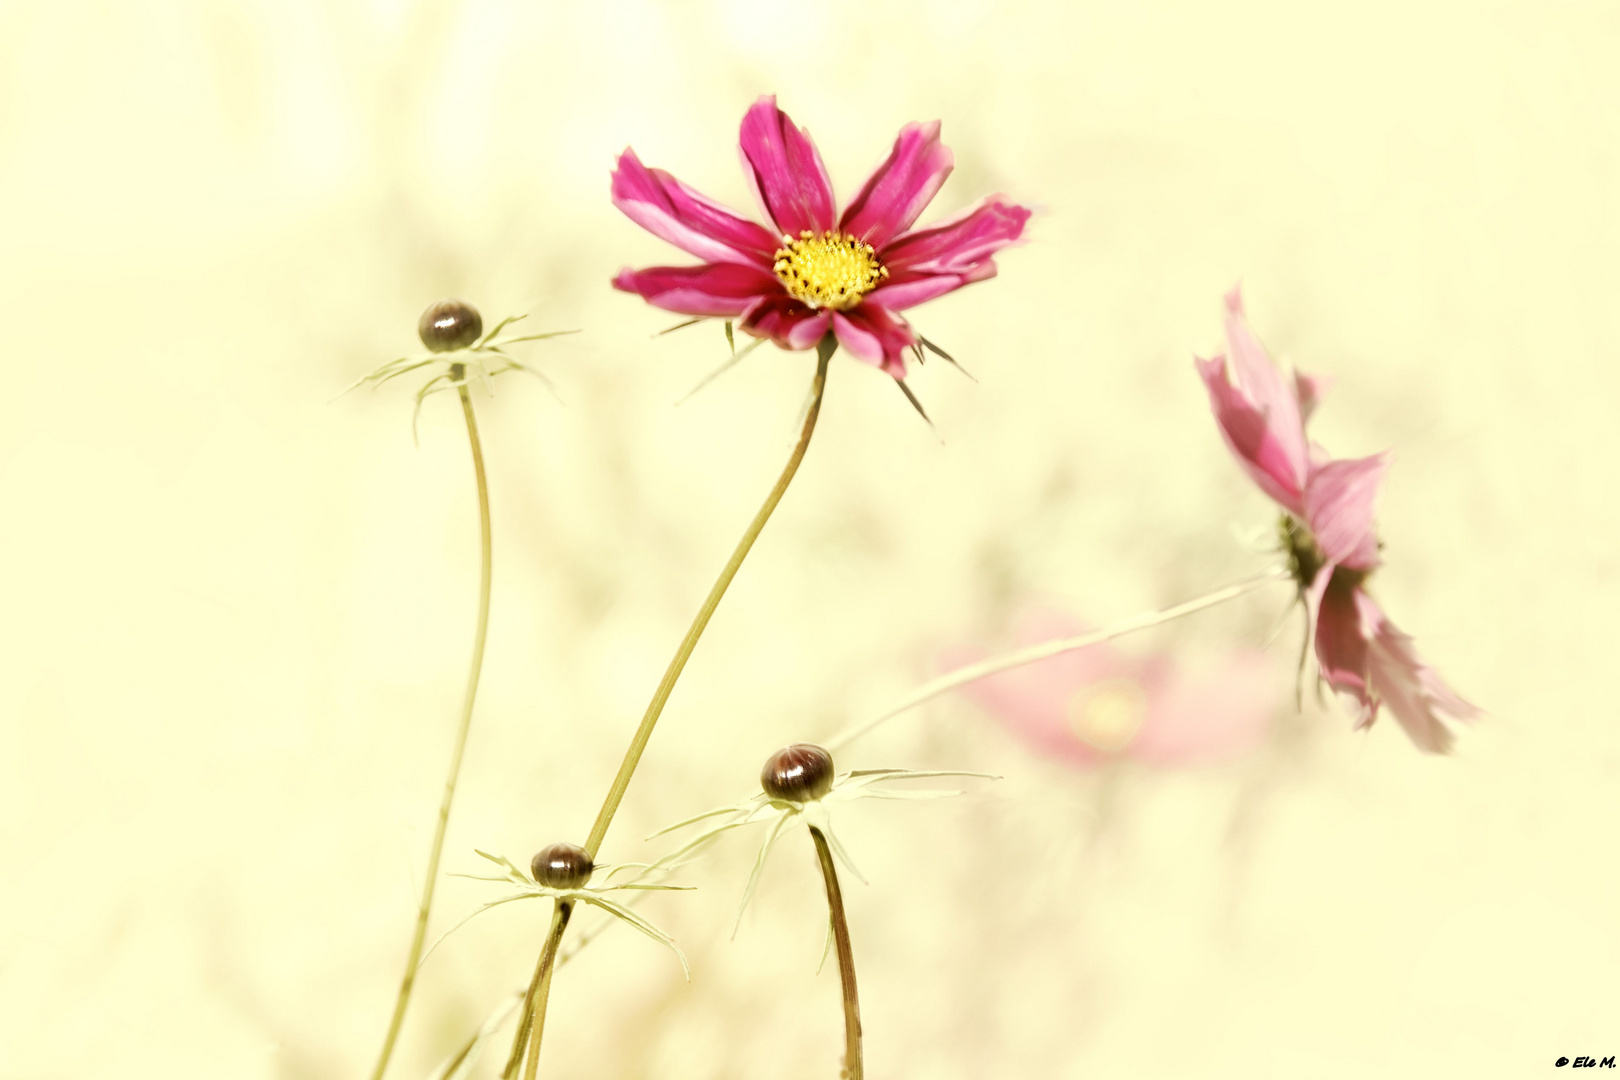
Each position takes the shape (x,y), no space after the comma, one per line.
(1096,704)
(810,272)
(1329,534)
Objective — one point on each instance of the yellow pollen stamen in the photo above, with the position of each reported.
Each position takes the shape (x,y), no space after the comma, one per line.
(833,270)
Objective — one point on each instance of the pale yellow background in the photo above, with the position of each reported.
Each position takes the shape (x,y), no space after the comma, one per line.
(234,614)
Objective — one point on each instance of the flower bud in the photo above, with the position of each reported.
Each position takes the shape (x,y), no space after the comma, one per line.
(450,324)
(561,866)
(799,773)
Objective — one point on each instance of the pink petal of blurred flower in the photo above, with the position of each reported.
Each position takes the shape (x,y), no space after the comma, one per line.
(1033,701)
(1261,417)
(1339,500)
(1371,663)
(1310,390)
(1331,538)
(1414,692)
(1342,647)
(1203,717)
(1094,704)
(819,272)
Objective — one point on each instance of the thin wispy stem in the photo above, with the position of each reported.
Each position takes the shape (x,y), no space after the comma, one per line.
(655,708)
(413,961)
(1007,661)
(853,1067)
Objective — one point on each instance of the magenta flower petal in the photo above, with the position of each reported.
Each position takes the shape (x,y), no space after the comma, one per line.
(1263,384)
(899,188)
(1249,435)
(802,277)
(785,170)
(1339,499)
(786,321)
(959,245)
(725,289)
(901,295)
(872,334)
(1414,692)
(670,210)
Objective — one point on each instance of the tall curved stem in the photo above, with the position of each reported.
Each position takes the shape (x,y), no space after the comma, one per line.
(853,1066)
(408,982)
(528,1029)
(655,707)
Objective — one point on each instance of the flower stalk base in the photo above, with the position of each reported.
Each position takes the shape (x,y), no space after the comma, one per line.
(853,1067)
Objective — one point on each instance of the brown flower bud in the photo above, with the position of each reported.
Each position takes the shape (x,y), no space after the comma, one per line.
(450,324)
(561,866)
(799,773)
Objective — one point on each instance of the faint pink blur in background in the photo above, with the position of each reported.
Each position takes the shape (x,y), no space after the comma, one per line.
(1101,703)
(235,612)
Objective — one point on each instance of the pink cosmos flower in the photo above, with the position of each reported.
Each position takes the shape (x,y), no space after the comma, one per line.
(1329,534)
(1097,704)
(812,271)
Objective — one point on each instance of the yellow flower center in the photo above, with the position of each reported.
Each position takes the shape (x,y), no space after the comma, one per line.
(1107,715)
(833,270)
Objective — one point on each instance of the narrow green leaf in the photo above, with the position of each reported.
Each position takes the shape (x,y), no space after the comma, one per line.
(645,927)
(537,337)
(502,325)
(759,867)
(915,404)
(736,358)
(736,808)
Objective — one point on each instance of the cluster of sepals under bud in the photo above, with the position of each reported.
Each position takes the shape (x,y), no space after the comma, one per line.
(799,787)
(919,349)
(802,793)
(452,332)
(568,881)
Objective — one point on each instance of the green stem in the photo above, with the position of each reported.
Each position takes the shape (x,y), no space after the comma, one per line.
(853,1066)
(482,632)
(632,756)
(541,984)
(1007,661)
(534,1001)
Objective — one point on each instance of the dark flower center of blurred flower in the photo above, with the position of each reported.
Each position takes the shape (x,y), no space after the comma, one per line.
(1305,559)
(833,270)
(1107,715)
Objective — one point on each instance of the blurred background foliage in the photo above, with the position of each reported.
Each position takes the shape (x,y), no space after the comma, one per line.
(235,613)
